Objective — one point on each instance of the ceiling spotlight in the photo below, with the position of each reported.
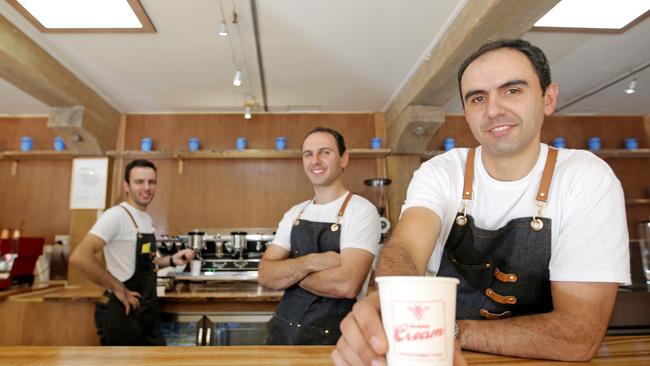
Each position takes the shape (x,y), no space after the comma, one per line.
(236,80)
(631,88)
(223,30)
(247,112)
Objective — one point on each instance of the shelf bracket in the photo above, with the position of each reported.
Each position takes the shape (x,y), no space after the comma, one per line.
(14,167)
(181,163)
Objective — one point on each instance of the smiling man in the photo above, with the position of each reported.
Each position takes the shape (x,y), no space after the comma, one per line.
(129,313)
(537,237)
(322,250)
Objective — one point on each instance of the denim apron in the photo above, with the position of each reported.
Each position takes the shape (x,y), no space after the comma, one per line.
(142,327)
(503,272)
(304,318)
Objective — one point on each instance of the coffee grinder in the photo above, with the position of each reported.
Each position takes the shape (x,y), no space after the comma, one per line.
(377,193)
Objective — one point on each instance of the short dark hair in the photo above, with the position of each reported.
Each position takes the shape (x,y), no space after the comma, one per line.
(535,55)
(340,142)
(139,163)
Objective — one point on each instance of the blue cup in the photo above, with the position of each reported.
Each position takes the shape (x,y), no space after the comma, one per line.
(449,143)
(593,143)
(25,143)
(194,144)
(375,143)
(59,145)
(631,143)
(280,143)
(241,143)
(559,142)
(146,144)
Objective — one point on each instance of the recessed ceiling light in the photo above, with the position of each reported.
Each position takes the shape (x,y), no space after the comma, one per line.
(76,14)
(594,14)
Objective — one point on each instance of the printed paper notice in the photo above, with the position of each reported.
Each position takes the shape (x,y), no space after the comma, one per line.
(89,183)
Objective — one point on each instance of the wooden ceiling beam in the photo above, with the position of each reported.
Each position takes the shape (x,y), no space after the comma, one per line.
(30,68)
(434,83)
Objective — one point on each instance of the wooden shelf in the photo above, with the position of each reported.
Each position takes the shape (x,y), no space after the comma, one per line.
(623,153)
(236,154)
(638,201)
(38,155)
(609,153)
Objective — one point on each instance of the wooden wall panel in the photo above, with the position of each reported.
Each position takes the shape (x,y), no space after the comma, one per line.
(220,131)
(218,193)
(576,130)
(12,129)
(36,198)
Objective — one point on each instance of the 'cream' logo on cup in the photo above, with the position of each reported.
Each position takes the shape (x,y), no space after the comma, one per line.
(419,329)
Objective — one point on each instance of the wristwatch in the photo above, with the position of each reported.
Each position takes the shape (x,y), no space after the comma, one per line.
(171,261)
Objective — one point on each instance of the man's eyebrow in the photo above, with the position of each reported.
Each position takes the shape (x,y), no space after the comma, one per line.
(513,83)
(508,83)
(472,93)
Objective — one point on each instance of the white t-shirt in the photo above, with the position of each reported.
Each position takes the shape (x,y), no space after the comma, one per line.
(589,238)
(360,226)
(115,227)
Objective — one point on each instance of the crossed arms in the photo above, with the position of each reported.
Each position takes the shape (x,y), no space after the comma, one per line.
(326,274)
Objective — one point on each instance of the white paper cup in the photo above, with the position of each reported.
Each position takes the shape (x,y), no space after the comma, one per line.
(418,314)
(195,267)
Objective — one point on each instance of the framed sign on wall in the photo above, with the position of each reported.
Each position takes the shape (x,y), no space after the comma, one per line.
(89,183)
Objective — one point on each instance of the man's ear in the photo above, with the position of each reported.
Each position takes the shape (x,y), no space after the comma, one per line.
(345,159)
(125,187)
(550,99)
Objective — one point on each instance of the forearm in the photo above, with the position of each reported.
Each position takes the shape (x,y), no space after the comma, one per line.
(333,282)
(395,260)
(552,335)
(283,273)
(90,266)
(163,262)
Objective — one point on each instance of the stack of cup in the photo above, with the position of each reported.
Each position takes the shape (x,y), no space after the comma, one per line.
(59,144)
(418,315)
(280,143)
(631,143)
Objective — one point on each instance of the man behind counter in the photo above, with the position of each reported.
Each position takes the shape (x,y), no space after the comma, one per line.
(322,251)
(125,232)
(537,237)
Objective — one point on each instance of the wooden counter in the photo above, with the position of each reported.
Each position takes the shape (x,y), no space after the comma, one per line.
(614,351)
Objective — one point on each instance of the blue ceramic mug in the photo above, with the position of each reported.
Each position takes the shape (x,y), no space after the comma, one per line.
(559,142)
(146,144)
(280,143)
(194,144)
(59,145)
(449,143)
(593,143)
(25,143)
(375,143)
(631,143)
(241,143)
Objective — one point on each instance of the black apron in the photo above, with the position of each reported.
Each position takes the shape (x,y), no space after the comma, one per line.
(304,318)
(142,327)
(503,272)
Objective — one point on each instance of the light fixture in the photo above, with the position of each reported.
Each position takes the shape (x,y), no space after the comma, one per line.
(631,88)
(223,30)
(76,14)
(594,14)
(236,80)
(247,112)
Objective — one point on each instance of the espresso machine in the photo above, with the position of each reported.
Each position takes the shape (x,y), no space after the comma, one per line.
(377,193)
(225,254)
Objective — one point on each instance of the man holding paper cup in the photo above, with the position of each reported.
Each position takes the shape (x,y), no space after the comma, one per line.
(128,315)
(536,237)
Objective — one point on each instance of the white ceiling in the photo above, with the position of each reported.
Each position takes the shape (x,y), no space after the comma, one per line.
(318,55)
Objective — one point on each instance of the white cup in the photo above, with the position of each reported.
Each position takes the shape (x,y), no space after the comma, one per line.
(195,267)
(418,314)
